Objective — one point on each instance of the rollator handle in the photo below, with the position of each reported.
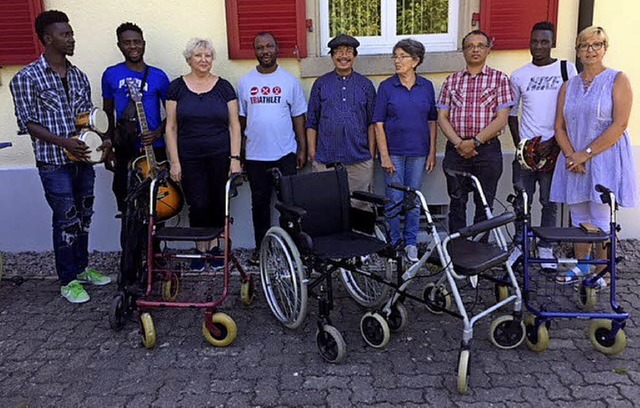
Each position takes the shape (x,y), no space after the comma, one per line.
(602,189)
(605,194)
(401,187)
(487,225)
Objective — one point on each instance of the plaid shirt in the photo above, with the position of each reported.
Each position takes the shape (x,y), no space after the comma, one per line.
(39,97)
(474,100)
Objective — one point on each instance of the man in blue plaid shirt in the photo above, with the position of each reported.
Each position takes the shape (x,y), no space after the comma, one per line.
(48,95)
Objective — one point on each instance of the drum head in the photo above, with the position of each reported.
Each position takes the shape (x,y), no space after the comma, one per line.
(93,140)
(99,120)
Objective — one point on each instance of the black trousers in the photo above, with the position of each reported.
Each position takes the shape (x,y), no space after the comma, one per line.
(261,184)
(486,166)
(203,183)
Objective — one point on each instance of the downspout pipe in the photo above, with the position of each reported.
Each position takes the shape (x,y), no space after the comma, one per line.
(585,19)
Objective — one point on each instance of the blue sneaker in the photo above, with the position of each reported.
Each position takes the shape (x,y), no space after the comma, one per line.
(198,264)
(216,263)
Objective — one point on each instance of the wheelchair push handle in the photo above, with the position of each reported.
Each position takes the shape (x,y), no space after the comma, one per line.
(401,187)
(457,173)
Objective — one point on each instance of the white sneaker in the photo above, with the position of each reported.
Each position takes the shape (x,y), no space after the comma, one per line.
(547,253)
(411,251)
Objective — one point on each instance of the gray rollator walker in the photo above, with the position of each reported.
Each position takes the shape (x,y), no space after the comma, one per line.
(462,255)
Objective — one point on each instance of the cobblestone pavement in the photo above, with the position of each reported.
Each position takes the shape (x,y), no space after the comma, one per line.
(53,353)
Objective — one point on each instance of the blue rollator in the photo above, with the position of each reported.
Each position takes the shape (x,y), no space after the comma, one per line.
(547,300)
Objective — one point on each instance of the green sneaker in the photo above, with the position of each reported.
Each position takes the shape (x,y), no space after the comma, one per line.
(74,292)
(93,277)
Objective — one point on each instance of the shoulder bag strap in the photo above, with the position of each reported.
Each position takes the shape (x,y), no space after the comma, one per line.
(563,70)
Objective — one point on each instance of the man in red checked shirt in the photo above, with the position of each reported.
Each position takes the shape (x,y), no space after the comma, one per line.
(473,110)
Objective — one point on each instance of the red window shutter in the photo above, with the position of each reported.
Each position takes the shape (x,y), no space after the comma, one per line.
(284,18)
(19,44)
(509,22)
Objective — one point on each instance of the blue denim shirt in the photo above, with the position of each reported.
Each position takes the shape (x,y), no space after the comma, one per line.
(341,110)
(406,115)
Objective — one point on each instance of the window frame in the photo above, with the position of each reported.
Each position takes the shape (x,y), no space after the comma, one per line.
(383,44)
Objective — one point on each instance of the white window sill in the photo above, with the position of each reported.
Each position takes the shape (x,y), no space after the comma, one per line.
(434,62)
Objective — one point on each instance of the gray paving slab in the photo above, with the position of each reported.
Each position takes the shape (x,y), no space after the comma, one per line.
(53,353)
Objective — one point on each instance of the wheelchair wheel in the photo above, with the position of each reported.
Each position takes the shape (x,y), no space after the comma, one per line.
(148,331)
(171,288)
(437,299)
(463,372)
(364,290)
(506,332)
(331,344)
(537,340)
(375,330)
(248,291)
(398,318)
(587,297)
(224,330)
(118,312)
(599,333)
(283,280)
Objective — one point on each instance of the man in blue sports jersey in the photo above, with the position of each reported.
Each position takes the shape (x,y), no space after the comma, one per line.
(124,128)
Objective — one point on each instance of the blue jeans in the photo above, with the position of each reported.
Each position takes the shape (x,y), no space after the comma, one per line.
(528,180)
(409,172)
(69,191)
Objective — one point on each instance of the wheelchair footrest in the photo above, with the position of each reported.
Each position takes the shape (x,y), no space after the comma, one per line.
(472,258)
(187,234)
(572,234)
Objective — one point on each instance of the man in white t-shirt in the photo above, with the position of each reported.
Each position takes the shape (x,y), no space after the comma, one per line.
(272,116)
(535,87)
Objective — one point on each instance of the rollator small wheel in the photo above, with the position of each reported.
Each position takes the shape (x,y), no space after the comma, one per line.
(599,333)
(587,298)
(463,372)
(248,291)
(171,288)
(118,312)
(375,330)
(398,318)
(331,344)
(507,333)
(226,328)
(148,330)
(436,298)
(538,341)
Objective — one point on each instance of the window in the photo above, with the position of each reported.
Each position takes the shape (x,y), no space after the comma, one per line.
(379,24)
(19,44)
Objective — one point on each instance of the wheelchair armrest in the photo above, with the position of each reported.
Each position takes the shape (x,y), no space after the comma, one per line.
(487,225)
(401,187)
(370,197)
(291,210)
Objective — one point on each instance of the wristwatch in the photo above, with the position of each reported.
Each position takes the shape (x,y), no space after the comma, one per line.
(476,142)
(589,151)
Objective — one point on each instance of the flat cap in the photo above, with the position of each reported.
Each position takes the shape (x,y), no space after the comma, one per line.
(343,39)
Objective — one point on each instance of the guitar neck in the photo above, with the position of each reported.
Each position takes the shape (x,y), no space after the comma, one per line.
(148,149)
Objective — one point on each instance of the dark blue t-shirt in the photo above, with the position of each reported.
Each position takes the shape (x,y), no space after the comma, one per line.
(114,87)
(406,115)
(203,119)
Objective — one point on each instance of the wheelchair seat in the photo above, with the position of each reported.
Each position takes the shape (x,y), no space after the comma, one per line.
(471,258)
(328,219)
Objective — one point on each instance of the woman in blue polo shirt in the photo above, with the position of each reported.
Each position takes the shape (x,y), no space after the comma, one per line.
(405,116)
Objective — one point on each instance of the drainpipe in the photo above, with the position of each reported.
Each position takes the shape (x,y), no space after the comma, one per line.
(585,19)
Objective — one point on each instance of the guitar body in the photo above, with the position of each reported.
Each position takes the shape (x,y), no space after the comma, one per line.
(169,201)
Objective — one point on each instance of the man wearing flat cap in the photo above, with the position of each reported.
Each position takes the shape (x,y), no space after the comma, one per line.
(339,117)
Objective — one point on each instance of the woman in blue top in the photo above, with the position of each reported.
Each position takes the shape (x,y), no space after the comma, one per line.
(405,116)
(591,129)
(203,139)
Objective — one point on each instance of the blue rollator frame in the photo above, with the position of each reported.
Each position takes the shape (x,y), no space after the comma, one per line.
(606,331)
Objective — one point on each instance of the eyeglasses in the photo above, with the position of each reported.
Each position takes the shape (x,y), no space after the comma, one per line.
(480,47)
(595,46)
(400,57)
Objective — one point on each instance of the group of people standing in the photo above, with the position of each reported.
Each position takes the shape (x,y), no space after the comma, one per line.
(211,130)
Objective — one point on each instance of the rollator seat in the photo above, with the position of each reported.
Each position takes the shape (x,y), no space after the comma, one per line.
(188,234)
(346,245)
(472,258)
(572,234)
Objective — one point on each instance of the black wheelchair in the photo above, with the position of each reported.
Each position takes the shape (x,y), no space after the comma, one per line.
(321,234)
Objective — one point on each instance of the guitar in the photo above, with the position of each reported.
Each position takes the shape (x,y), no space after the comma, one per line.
(169,200)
